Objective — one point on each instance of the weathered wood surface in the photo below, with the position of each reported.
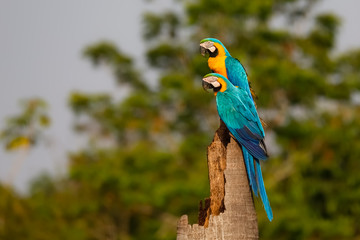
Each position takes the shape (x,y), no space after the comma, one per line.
(230,214)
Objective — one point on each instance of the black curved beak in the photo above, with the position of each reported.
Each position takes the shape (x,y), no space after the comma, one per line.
(205,48)
(206,86)
(203,51)
(210,82)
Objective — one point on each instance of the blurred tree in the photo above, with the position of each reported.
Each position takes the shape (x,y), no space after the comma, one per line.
(24,131)
(26,128)
(147,149)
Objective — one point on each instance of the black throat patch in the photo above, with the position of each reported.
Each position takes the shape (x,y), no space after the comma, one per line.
(213,54)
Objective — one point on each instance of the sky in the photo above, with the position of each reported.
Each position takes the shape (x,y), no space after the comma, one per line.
(41,44)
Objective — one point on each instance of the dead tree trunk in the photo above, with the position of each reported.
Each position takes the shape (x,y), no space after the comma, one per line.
(229,213)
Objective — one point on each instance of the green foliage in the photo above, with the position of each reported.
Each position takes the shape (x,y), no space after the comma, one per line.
(25,129)
(121,65)
(165,56)
(156,24)
(145,164)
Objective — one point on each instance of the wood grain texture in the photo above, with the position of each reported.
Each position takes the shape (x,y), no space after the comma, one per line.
(231,214)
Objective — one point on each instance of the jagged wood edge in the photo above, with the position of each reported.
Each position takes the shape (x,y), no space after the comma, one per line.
(230,216)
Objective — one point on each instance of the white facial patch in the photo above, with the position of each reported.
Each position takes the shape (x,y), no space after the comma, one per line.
(216,84)
(212,49)
(213,81)
(208,45)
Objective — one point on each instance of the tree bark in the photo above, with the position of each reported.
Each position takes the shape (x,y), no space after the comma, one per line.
(229,213)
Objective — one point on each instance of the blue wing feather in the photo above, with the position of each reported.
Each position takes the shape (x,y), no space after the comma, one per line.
(253,146)
(242,120)
(236,74)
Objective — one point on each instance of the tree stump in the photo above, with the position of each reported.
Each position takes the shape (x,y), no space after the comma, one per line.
(229,213)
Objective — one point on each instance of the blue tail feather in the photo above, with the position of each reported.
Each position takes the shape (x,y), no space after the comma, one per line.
(252,170)
(249,164)
(262,190)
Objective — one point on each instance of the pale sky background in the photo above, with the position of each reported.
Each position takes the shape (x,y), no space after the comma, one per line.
(41,45)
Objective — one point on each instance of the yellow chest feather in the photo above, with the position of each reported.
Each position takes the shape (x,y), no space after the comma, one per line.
(217,65)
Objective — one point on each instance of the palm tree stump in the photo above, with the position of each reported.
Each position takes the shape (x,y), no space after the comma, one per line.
(229,213)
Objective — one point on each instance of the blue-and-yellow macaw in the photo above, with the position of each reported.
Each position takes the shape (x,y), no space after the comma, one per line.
(220,61)
(237,110)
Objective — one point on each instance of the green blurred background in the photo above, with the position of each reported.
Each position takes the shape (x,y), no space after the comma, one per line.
(144,161)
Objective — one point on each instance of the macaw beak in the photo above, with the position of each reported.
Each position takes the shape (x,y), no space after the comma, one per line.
(211,82)
(206,86)
(207,47)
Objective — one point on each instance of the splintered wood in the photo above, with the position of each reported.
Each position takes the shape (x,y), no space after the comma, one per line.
(229,214)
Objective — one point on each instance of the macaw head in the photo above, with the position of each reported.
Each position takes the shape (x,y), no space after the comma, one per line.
(213,47)
(215,81)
